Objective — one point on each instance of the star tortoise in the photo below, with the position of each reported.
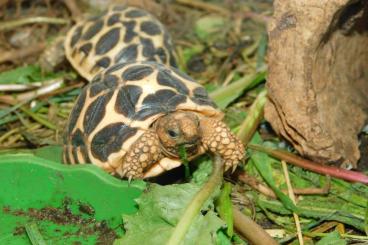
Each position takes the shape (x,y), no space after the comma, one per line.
(138,110)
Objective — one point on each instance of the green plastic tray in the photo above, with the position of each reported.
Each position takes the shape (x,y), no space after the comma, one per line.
(77,204)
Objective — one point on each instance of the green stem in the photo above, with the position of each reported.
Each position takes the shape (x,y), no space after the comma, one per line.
(184,158)
(255,115)
(240,85)
(197,202)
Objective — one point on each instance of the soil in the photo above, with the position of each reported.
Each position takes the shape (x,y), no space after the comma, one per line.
(64,216)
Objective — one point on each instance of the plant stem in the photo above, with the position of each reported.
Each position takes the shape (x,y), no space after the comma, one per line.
(253,232)
(239,85)
(312,166)
(197,202)
(255,115)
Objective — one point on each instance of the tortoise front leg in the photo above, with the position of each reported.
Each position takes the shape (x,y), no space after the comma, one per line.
(142,155)
(217,138)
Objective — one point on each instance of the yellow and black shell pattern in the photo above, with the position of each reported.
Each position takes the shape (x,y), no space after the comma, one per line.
(121,103)
(121,34)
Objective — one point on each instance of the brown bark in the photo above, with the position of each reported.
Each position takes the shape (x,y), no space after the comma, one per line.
(318,88)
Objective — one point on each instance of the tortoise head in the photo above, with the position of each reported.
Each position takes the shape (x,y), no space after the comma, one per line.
(179,129)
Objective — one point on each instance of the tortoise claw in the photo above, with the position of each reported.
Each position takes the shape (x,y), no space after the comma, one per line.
(233,169)
(230,165)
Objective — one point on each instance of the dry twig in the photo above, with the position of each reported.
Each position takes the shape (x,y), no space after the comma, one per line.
(265,190)
(292,197)
(21,53)
(8,25)
(48,87)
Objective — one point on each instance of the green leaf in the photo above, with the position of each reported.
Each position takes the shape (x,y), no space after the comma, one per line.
(21,75)
(261,52)
(160,209)
(222,238)
(203,171)
(263,164)
(333,238)
(225,95)
(225,208)
(320,208)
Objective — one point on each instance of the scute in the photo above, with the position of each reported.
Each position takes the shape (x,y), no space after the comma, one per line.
(93,30)
(110,139)
(149,90)
(96,112)
(137,72)
(77,109)
(122,34)
(126,100)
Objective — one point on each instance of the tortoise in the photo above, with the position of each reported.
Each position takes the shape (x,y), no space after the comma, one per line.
(135,115)
(121,34)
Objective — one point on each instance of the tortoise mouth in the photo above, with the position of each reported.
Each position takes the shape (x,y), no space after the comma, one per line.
(160,167)
(191,148)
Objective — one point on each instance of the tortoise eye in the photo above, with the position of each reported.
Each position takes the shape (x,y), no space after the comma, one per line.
(172,133)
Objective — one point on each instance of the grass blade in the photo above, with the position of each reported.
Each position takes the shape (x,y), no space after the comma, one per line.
(225,95)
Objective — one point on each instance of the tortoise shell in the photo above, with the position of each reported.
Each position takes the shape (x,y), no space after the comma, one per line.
(122,34)
(121,103)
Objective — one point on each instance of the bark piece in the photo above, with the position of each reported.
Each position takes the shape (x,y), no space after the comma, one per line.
(318,70)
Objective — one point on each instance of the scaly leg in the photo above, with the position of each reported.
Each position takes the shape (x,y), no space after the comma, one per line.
(217,138)
(142,155)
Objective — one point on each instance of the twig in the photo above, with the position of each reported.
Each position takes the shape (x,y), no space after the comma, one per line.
(292,197)
(7,25)
(197,202)
(49,86)
(73,8)
(18,87)
(205,6)
(257,185)
(265,190)
(63,90)
(21,53)
(312,166)
(250,230)
(322,228)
